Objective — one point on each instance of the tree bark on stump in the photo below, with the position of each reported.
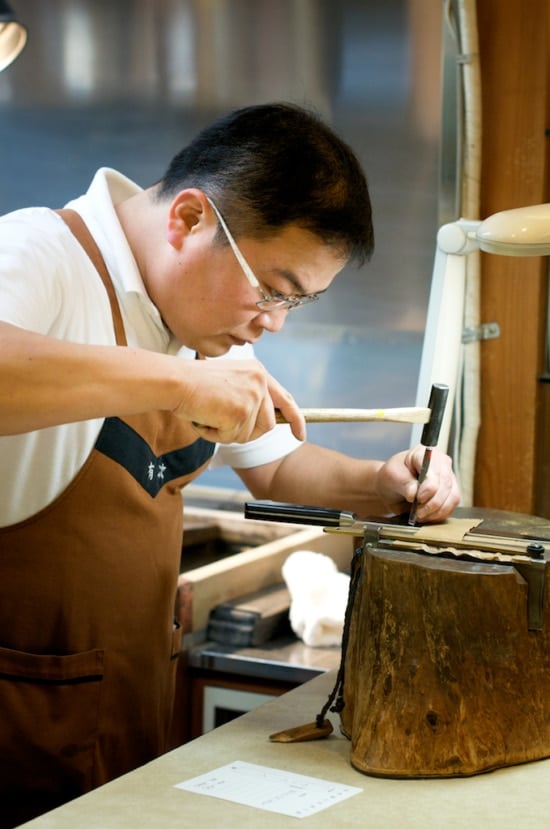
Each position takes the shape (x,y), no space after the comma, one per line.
(442,676)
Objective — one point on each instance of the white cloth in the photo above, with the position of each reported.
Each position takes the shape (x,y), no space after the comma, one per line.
(318,597)
(49,285)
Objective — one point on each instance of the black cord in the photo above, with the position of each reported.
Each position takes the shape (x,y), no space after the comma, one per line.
(337,692)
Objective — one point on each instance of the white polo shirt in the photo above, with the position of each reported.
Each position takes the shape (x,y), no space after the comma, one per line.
(49,285)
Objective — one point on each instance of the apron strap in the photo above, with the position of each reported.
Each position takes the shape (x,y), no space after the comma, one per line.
(79,229)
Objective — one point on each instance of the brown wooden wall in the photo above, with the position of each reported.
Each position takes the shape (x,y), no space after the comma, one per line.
(513,461)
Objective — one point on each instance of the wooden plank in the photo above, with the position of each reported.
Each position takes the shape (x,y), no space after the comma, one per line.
(542,494)
(514,56)
(203,588)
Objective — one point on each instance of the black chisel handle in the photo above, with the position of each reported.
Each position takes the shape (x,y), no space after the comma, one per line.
(430,435)
(436,404)
(297,514)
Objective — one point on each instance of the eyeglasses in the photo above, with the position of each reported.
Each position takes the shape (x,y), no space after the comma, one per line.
(268,302)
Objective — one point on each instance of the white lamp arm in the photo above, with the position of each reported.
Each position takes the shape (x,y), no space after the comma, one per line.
(458,238)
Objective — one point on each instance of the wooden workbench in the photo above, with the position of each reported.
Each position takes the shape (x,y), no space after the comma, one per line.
(507,799)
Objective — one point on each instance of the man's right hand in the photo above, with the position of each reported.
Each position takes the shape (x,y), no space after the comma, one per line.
(234,401)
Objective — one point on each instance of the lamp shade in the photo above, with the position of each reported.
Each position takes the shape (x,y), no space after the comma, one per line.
(523,231)
(13,35)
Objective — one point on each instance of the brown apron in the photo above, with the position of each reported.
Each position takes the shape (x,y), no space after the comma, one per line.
(88,585)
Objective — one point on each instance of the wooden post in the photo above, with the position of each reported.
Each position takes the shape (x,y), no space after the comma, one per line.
(513,40)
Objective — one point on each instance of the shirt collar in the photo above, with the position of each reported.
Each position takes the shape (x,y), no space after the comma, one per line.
(98,209)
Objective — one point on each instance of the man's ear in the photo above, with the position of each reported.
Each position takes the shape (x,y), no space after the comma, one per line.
(186,215)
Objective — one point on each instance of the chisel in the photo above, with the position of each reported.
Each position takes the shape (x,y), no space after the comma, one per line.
(430,435)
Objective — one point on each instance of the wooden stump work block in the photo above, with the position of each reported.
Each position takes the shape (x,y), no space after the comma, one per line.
(443,677)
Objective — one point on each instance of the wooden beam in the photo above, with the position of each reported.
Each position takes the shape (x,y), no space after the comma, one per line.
(514,54)
(542,494)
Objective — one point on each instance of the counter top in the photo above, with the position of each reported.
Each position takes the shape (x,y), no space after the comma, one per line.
(509,798)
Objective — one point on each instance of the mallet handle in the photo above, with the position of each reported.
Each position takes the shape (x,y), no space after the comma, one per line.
(407,414)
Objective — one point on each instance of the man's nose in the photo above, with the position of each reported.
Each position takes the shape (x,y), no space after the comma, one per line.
(273,321)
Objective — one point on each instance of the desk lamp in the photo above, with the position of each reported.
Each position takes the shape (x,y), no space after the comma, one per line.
(523,231)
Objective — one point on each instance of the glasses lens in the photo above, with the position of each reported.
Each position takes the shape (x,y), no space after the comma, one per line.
(304,300)
(274,304)
(290,303)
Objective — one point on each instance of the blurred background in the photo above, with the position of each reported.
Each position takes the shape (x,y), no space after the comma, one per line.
(126,84)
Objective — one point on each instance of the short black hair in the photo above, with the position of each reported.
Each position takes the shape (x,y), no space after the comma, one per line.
(270,165)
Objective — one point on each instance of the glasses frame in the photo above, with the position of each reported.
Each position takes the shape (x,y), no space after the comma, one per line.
(268,302)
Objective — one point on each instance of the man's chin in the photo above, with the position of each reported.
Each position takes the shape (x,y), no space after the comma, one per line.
(215,349)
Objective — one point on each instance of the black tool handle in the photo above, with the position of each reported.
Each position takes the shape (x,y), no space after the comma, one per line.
(436,404)
(296,514)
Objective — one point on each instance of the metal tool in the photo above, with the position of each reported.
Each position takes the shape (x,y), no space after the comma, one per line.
(334,520)
(528,554)
(430,435)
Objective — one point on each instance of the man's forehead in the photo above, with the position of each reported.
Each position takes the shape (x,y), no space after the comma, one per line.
(299,258)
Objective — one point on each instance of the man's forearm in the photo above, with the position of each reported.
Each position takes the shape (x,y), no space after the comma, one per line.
(46,382)
(317,476)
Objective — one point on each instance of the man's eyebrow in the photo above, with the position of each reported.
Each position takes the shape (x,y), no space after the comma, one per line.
(290,277)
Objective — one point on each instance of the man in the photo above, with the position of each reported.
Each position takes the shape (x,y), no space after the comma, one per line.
(110,315)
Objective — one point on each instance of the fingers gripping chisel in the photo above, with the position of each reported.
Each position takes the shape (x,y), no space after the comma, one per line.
(430,435)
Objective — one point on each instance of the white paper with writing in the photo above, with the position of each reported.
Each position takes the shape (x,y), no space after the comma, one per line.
(273,790)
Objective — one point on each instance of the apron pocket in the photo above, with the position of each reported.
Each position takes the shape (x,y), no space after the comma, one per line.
(49,708)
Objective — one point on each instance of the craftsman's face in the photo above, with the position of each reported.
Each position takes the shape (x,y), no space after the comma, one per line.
(205,298)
